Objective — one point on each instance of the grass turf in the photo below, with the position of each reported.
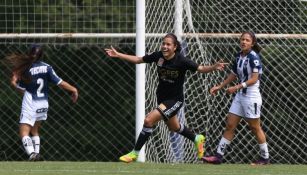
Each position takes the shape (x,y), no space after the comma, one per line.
(118,168)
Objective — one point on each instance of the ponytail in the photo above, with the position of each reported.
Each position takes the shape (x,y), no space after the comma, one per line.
(21,63)
(257,48)
(35,51)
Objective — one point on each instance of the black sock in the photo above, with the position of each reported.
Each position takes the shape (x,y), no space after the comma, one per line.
(186,132)
(143,137)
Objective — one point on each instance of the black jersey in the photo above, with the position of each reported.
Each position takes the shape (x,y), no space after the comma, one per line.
(171,74)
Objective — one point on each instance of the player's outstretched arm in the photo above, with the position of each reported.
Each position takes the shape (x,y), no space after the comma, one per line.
(71,89)
(220,65)
(111,52)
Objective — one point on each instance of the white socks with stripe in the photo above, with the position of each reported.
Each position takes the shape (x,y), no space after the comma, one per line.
(27,144)
(36,143)
(264,151)
(221,148)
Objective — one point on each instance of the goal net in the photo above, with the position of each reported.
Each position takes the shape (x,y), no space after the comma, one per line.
(210,30)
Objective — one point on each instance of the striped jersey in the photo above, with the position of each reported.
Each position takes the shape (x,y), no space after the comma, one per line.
(243,67)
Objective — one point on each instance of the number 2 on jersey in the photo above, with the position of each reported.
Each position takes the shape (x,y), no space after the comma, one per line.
(40,82)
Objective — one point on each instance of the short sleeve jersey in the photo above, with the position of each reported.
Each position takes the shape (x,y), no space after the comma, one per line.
(243,67)
(171,74)
(41,74)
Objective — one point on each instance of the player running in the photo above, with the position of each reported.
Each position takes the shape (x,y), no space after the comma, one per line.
(171,68)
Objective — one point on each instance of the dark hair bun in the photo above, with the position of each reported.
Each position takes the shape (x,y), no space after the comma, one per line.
(36,51)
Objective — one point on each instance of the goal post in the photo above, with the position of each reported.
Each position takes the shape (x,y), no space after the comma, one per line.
(140,73)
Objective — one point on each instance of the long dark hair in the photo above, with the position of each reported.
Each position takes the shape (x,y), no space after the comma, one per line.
(21,63)
(256,47)
(175,40)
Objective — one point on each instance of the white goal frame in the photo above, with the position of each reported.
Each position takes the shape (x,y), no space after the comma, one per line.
(147,35)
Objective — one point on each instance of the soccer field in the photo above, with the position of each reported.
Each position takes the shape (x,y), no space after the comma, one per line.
(117,168)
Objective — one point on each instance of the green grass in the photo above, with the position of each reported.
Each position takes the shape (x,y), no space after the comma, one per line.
(117,168)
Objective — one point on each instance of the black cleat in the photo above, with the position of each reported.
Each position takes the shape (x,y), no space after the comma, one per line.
(35,157)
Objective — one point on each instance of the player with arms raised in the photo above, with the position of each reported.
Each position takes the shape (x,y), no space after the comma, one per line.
(172,67)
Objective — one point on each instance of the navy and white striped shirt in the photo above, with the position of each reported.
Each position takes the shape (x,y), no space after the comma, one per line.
(243,67)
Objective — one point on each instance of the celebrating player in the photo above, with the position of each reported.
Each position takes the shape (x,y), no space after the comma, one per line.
(247,102)
(31,77)
(172,67)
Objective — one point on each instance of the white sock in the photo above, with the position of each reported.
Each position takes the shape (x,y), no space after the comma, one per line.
(222,146)
(27,144)
(264,151)
(36,142)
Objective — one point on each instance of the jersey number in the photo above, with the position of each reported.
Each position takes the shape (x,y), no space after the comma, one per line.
(40,82)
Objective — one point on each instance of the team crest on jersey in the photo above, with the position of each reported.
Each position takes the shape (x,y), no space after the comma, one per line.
(160,62)
(256,62)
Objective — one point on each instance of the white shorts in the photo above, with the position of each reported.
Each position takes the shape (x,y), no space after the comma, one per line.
(249,107)
(32,110)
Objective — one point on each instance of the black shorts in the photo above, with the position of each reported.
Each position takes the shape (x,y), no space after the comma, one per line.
(172,107)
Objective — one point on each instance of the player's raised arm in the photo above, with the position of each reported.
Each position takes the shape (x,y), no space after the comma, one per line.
(111,52)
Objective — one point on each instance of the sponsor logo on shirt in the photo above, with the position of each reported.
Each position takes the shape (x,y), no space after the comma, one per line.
(42,110)
(160,62)
(38,70)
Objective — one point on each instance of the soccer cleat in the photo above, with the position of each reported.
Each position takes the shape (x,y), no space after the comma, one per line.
(32,156)
(38,157)
(35,157)
(130,157)
(261,161)
(199,145)
(217,159)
